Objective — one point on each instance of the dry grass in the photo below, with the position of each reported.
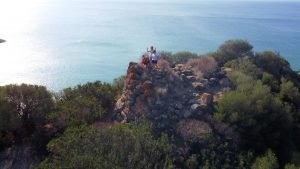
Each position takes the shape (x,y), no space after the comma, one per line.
(203,66)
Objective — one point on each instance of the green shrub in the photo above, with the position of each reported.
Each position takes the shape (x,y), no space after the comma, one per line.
(272,63)
(24,111)
(85,103)
(291,166)
(121,146)
(177,58)
(253,111)
(268,161)
(233,49)
(289,93)
(246,66)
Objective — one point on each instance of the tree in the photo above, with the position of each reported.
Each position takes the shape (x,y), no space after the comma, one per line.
(268,161)
(24,110)
(32,104)
(9,122)
(119,84)
(121,146)
(9,119)
(246,66)
(252,110)
(233,49)
(268,79)
(289,93)
(272,63)
(291,166)
(85,103)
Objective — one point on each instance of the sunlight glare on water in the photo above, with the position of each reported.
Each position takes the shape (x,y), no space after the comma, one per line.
(22,59)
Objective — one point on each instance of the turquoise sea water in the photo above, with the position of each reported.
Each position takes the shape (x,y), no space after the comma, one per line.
(61,43)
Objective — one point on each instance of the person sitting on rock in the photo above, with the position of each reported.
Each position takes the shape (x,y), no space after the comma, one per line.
(154,59)
(145,60)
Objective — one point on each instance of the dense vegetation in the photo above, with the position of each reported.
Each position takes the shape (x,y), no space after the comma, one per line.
(75,128)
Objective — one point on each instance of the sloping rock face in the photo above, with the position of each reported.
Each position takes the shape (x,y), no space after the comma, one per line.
(171,97)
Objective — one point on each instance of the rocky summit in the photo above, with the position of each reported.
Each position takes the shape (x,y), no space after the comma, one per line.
(176,99)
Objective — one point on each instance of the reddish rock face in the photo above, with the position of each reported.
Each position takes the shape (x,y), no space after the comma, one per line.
(206,99)
(170,97)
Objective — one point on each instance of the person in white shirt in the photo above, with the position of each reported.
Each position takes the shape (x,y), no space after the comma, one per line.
(154,58)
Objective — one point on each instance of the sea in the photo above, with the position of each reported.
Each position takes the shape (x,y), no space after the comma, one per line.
(63,43)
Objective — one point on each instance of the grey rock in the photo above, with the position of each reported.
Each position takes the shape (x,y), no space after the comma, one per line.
(187,72)
(195,107)
(174,117)
(204,81)
(158,102)
(213,81)
(193,101)
(171,109)
(120,105)
(2,41)
(178,106)
(187,114)
(225,82)
(164,116)
(199,112)
(191,78)
(198,85)
(196,94)
(177,112)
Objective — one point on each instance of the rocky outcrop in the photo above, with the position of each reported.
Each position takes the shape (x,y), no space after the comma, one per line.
(171,98)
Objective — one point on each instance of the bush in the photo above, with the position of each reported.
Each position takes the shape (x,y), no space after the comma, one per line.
(218,153)
(29,104)
(121,146)
(291,166)
(269,80)
(177,58)
(166,56)
(272,63)
(233,49)
(246,66)
(203,66)
(85,103)
(268,161)
(259,116)
(9,123)
(24,110)
(289,93)
(119,84)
